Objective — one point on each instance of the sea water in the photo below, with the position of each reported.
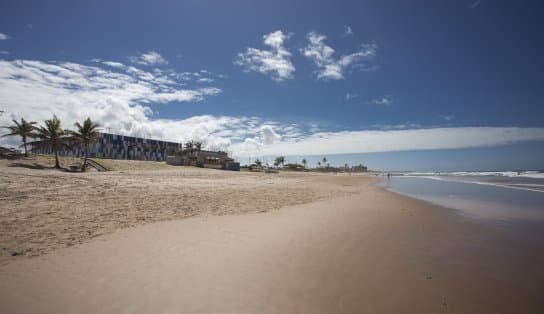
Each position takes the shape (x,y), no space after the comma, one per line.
(508,196)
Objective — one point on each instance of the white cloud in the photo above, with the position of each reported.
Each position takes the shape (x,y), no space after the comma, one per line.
(328,67)
(4,52)
(149,58)
(114,64)
(347,30)
(385,101)
(202,76)
(447,117)
(117,99)
(4,36)
(275,62)
(205,80)
(350,96)
(369,141)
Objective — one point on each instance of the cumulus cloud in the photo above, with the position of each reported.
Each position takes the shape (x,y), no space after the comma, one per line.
(275,62)
(4,36)
(261,138)
(149,58)
(329,67)
(117,99)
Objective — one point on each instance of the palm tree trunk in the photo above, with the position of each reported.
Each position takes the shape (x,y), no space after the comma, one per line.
(84,168)
(57,164)
(24,144)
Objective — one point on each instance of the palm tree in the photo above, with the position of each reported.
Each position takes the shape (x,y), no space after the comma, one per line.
(324,160)
(197,145)
(53,135)
(189,145)
(85,135)
(24,129)
(304,162)
(258,163)
(280,160)
(319,164)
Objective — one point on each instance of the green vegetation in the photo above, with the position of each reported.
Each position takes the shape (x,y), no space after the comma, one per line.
(193,145)
(85,134)
(279,161)
(24,129)
(53,135)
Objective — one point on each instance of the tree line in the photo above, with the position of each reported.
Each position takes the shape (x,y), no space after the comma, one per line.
(51,134)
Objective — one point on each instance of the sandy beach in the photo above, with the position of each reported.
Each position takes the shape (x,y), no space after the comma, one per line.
(116,242)
(45,209)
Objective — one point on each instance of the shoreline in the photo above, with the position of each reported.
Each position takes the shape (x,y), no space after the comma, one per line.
(376,251)
(490,203)
(505,186)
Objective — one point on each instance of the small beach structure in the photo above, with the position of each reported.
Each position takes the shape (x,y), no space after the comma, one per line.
(203,158)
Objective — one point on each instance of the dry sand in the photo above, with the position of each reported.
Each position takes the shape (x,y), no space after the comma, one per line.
(364,251)
(45,209)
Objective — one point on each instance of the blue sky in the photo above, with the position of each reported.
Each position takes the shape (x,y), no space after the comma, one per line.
(357,81)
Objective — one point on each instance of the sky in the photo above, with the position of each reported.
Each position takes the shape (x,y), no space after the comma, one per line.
(395,85)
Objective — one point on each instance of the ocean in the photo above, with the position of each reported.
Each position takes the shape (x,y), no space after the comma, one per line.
(509,196)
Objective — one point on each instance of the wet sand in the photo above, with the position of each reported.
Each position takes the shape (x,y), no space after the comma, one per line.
(367,252)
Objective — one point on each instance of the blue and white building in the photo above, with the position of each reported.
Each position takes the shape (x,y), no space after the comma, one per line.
(119,147)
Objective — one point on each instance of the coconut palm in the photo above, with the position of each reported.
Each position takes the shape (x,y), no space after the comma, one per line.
(197,145)
(85,134)
(24,129)
(324,160)
(189,145)
(304,162)
(280,160)
(52,135)
(319,164)
(258,163)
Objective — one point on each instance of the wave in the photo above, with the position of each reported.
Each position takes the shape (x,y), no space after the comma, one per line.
(510,174)
(516,186)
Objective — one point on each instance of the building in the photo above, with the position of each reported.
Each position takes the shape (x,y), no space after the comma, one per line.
(136,148)
(203,158)
(118,147)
